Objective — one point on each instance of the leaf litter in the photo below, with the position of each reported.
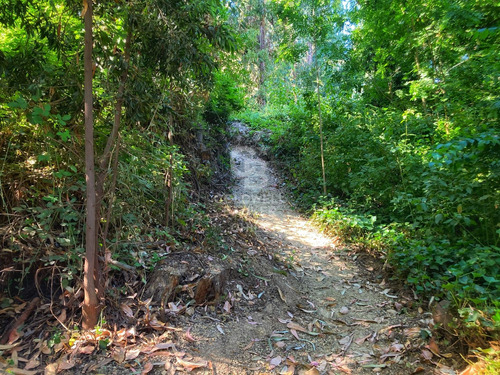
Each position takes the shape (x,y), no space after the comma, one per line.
(296,304)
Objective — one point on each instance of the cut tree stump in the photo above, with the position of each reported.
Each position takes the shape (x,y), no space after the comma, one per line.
(202,277)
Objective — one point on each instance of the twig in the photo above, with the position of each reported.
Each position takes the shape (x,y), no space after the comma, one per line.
(20,320)
(346,346)
(118,264)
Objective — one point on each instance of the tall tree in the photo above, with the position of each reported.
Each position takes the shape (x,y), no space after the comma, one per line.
(90,307)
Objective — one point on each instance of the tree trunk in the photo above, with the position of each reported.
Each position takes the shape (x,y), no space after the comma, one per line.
(169,212)
(262,48)
(320,122)
(90,308)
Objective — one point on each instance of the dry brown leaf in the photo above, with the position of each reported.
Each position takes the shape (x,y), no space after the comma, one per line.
(295,334)
(249,345)
(169,368)
(418,369)
(297,327)
(32,363)
(190,366)
(62,316)
(7,347)
(413,332)
(147,368)
(118,354)
(433,347)
(132,354)
(127,310)
(282,296)
(66,363)
(311,371)
(188,336)
(14,335)
(51,369)
(89,349)
(361,340)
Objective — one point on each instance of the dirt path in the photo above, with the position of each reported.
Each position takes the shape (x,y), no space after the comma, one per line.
(321,316)
(295,303)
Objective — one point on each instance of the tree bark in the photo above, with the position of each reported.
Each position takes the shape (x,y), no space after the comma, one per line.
(320,121)
(262,49)
(90,308)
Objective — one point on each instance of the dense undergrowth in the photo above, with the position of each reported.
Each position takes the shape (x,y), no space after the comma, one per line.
(411,145)
(170,149)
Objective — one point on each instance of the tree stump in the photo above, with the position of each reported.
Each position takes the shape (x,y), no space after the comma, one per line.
(201,277)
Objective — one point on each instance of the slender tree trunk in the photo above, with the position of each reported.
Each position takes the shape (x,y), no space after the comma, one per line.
(320,122)
(169,212)
(262,49)
(90,308)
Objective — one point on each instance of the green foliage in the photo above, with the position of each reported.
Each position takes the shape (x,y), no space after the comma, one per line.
(225,97)
(175,49)
(410,106)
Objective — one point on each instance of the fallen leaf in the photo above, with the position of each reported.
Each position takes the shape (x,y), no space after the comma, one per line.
(32,363)
(118,355)
(249,345)
(51,369)
(89,349)
(147,368)
(276,361)
(127,310)
(297,327)
(169,368)
(289,370)
(311,371)
(132,354)
(219,328)
(345,340)
(397,347)
(427,355)
(433,347)
(66,363)
(295,334)
(227,307)
(190,366)
(14,335)
(62,316)
(413,332)
(188,336)
(7,347)
(282,296)
(361,340)
(418,369)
